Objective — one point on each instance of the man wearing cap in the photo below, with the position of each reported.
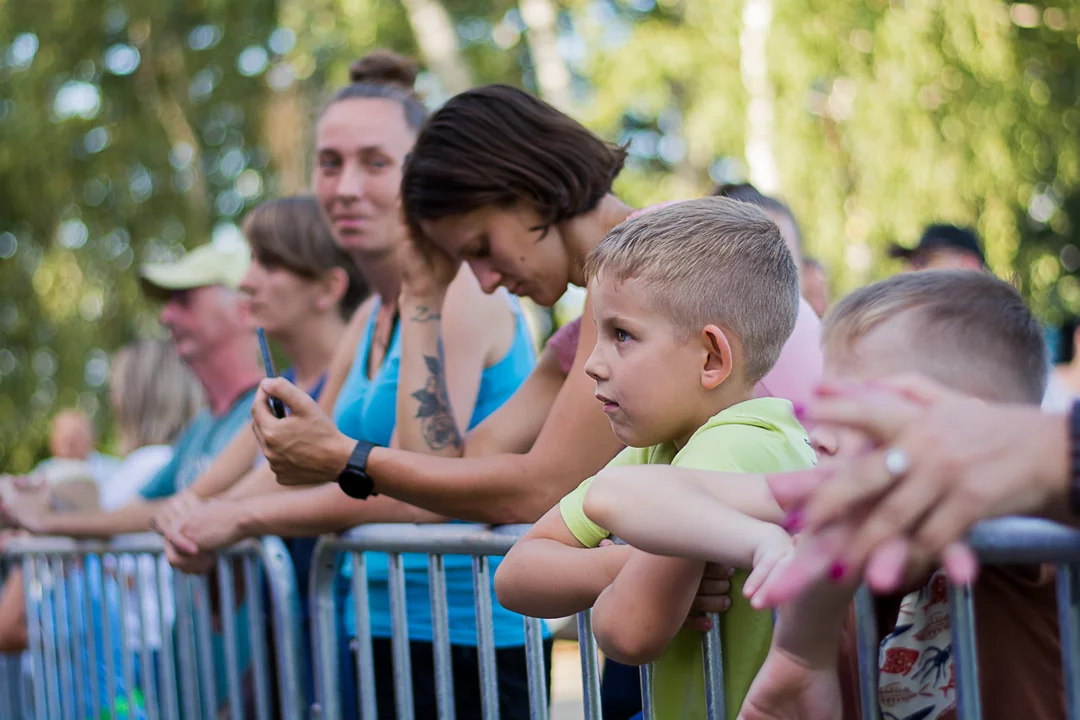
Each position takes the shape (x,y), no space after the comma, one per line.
(207,323)
(943,247)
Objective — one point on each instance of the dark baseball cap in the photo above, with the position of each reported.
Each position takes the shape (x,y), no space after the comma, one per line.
(942,237)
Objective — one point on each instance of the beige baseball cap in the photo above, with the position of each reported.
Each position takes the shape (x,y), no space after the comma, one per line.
(205,265)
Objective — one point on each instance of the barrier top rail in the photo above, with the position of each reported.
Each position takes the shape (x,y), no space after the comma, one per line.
(436,539)
(1014,540)
(135,543)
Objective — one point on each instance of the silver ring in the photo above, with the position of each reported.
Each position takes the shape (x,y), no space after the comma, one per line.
(897,463)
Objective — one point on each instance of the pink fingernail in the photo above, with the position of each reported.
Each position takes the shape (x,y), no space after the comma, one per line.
(793,521)
(800,411)
(837,571)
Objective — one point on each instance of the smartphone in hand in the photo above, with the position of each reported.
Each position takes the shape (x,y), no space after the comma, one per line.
(276,406)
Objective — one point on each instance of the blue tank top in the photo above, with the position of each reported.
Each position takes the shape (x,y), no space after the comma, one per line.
(366,409)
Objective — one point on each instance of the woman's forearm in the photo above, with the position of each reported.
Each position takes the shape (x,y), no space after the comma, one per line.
(132,518)
(323,509)
(496,489)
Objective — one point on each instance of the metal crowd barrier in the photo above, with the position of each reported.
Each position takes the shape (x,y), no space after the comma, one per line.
(113,632)
(437,541)
(1005,541)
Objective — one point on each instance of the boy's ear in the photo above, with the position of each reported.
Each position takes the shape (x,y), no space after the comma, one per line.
(718,362)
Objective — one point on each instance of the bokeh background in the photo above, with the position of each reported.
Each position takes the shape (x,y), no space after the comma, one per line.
(130,129)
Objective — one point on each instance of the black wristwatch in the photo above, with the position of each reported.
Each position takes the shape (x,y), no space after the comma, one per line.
(354,479)
(1074,458)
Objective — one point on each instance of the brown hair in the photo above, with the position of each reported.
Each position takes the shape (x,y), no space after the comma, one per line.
(497,145)
(967,329)
(710,261)
(385,74)
(292,233)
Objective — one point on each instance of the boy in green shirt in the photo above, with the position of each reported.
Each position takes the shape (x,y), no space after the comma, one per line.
(693,303)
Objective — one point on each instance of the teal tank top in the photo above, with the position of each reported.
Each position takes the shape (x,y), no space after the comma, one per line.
(366,409)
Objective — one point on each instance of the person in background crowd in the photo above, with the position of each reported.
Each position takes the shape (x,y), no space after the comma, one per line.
(777,211)
(815,285)
(74,461)
(1063,385)
(154,395)
(943,247)
(378,378)
(678,390)
(480,188)
(302,289)
(208,326)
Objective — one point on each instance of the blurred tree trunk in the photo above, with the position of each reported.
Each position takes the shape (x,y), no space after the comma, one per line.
(754,68)
(437,39)
(552,73)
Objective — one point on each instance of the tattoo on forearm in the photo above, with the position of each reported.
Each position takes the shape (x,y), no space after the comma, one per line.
(426,314)
(436,419)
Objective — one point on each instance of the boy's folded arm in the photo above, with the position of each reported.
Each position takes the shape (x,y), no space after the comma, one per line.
(684,513)
(636,618)
(549,573)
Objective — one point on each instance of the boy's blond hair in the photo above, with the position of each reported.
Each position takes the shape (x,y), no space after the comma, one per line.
(712,261)
(965,328)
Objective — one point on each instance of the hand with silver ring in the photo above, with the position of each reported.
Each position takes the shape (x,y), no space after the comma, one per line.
(962,460)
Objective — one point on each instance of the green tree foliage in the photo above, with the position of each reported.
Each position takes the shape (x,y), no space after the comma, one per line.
(133,128)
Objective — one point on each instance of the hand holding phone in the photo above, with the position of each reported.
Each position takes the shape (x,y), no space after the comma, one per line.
(276,406)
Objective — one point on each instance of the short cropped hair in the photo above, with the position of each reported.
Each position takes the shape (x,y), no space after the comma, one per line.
(710,261)
(498,146)
(972,331)
(291,233)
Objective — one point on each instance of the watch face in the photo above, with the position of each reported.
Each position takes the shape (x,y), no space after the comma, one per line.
(355,484)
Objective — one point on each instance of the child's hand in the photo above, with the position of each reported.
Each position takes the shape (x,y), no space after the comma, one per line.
(772,554)
(712,597)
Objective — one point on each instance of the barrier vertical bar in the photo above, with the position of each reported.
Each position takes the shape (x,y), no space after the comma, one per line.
(1068,597)
(440,636)
(227,596)
(91,636)
(33,592)
(77,634)
(63,638)
(281,577)
(204,645)
(146,656)
(185,636)
(365,660)
(648,707)
(536,669)
(127,656)
(867,645)
(253,584)
(962,618)
(590,666)
(324,648)
(485,638)
(713,660)
(52,667)
(107,636)
(170,700)
(399,638)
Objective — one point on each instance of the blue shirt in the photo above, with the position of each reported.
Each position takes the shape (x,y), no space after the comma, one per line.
(366,409)
(200,442)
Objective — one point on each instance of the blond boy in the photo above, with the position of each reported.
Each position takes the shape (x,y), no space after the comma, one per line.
(974,334)
(693,303)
